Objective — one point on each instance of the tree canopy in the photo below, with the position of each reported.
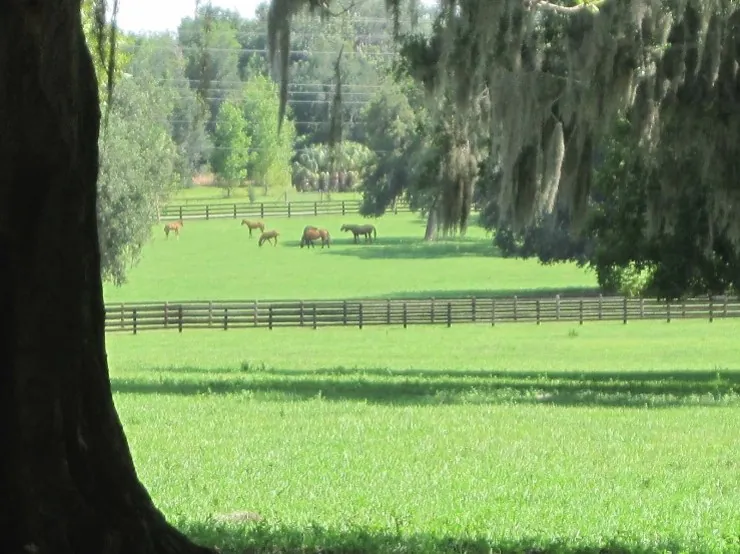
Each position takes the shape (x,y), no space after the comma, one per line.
(557,75)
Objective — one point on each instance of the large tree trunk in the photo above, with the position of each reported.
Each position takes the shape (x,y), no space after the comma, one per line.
(430,233)
(67,480)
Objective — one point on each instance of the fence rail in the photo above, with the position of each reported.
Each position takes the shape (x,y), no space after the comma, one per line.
(448,311)
(266,209)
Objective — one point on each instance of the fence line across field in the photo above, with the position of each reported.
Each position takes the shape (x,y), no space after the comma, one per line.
(136,317)
(266,209)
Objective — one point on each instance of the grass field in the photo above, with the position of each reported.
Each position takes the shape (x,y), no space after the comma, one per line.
(441,440)
(520,438)
(216,260)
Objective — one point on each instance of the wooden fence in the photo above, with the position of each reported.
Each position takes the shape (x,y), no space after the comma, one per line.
(453,311)
(266,209)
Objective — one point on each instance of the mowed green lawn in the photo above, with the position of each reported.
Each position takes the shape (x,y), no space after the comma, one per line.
(470,439)
(216,260)
(517,438)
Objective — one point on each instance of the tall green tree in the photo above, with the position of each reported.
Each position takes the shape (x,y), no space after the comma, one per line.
(231,154)
(138,161)
(270,162)
(158,57)
(557,75)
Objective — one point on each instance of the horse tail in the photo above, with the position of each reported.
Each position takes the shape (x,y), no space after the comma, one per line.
(375,232)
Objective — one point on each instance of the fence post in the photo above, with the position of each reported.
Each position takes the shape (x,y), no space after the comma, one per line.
(255,313)
(315,208)
(166,316)
(210,313)
(269,317)
(234,211)
(344,312)
(405,315)
(288,209)
(642,307)
(711,309)
(493,312)
(580,312)
(134,314)
(724,307)
(538,311)
(472,309)
(449,313)
(301,314)
(208,213)
(516,301)
(226,319)
(179,318)
(343,210)
(432,310)
(668,311)
(387,308)
(601,299)
(314,315)
(180,213)
(262,210)
(683,308)
(557,307)
(624,311)
(361,315)
(122,316)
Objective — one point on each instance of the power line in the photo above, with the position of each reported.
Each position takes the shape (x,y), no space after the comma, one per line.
(265,51)
(238,89)
(297,150)
(241,84)
(348,103)
(347,123)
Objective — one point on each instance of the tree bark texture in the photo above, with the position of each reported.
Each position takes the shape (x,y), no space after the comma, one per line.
(67,479)
(430,233)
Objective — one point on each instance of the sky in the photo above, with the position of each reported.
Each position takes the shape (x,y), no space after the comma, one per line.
(165,15)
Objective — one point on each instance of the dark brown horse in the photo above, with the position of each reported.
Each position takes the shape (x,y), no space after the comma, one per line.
(311,233)
(174,227)
(368,231)
(268,236)
(253,225)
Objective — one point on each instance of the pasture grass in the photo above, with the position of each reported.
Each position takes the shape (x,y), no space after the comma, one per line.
(210,194)
(519,438)
(217,260)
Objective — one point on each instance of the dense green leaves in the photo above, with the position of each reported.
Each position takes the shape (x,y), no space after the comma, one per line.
(270,162)
(137,171)
(232,142)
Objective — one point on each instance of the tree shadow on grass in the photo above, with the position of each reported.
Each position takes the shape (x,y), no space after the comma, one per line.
(390,248)
(540,292)
(264,538)
(430,387)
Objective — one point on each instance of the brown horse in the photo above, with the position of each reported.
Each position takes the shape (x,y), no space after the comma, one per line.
(311,233)
(253,225)
(268,236)
(368,231)
(173,226)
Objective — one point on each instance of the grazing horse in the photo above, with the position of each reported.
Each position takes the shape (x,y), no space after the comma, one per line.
(365,230)
(268,236)
(173,226)
(311,233)
(253,225)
